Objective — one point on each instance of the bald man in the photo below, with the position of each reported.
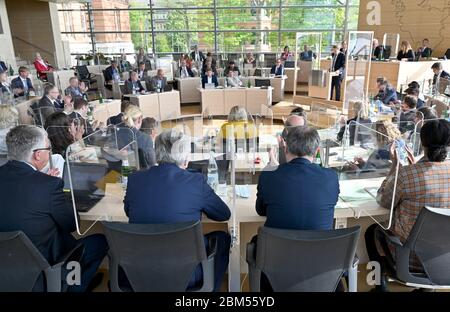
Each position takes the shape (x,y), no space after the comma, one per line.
(291,122)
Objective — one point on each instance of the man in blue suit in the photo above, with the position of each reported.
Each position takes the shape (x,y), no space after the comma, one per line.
(277,69)
(209,77)
(169,194)
(386,93)
(299,195)
(22,85)
(338,69)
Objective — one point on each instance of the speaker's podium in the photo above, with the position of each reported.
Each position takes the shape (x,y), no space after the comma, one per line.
(320,84)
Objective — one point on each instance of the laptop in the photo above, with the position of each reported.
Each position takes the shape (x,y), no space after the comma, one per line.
(88,182)
(201,166)
(210,86)
(262,82)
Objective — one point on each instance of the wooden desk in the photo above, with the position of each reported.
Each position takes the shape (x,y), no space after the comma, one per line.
(303,74)
(162,106)
(188,88)
(247,220)
(217,102)
(277,84)
(103,111)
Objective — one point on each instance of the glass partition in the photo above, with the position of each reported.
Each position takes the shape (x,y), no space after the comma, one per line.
(308,48)
(391,43)
(323,116)
(358,63)
(97,170)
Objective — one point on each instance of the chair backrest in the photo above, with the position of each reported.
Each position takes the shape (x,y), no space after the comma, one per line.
(296,260)
(429,240)
(155,257)
(21,263)
(83,72)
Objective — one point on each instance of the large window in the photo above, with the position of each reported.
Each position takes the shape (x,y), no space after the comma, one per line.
(222,26)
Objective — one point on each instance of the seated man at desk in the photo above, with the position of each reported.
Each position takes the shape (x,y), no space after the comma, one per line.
(22,85)
(307,54)
(416,93)
(440,73)
(158,83)
(80,114)
(231,67)
(424,51)
(76,88)
(299,194)
(111,74)
(277,69)
(133,84)
(185,70)
(379,52)
(386,93)
(421,184)
(233,80)
(209,78)
(47,105)
(191,197)
(39,208)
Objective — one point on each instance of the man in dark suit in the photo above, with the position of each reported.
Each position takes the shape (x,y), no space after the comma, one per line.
(184,70)
(111,73)
(307,54)
(133,84)
(424,51)
(158,82)
(3,66)
(38,207)
(379,52)
(177,195)
(386,93)
(209,78)
(197,56)
(80,114)
(337,70)
(115,120)
(299,194)
(22,85)
(47,105)
(277,69)
(142,72)
(439,71)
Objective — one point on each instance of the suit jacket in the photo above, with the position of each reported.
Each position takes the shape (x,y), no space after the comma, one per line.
(307,55)
(152,86)
(338,63)
(143,75)
(3,66)
(74,92)
(425,52)
(387,96)
(42,109)
(115,120)
(298,195)
(205,81)
(38,208)
(40,68)
(380,52)
(200,54)
(410,55)
(17,83)
(189,71)
(146,152)
(108,73)
(6,89)
(444,74)
(130,84)
(276,72)
(169,194)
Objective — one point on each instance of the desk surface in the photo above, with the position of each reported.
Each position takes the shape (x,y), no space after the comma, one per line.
(349,206)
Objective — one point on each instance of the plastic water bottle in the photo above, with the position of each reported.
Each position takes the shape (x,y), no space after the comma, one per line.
(213,172)
(100,98)
(379,104)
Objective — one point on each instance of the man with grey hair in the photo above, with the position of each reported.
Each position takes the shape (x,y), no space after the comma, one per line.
(47,105)
(168,193)
(291,122)
(299,194)
(36,205)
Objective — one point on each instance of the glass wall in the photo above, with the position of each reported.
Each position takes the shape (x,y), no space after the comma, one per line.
(114,27)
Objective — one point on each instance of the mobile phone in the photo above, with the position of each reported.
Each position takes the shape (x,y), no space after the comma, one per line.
(402,155)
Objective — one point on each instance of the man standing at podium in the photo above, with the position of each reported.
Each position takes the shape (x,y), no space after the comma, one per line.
(337,71)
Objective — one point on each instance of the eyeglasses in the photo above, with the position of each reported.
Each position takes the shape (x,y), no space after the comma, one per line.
(42,149)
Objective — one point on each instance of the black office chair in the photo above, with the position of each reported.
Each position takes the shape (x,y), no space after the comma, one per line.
(158,257)
(428,241)
(303,261)
(21,265)
(262,82)
(84,75)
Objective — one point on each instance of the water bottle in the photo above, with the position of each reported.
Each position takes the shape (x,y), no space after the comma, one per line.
(225,82)
(379,104)
(213,172)
(39,90)
(126,170)
(100,98)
